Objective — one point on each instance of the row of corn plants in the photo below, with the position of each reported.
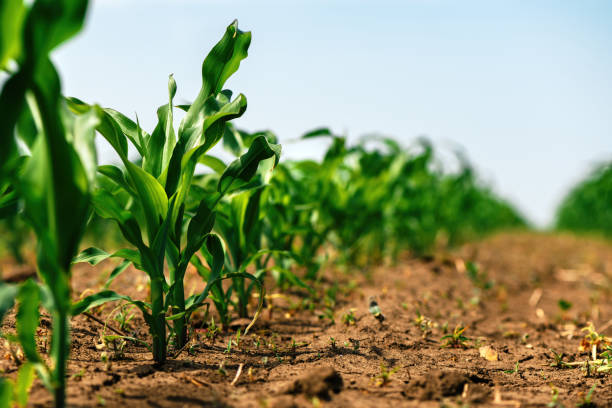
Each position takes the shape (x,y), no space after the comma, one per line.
(235,223)
(586,208)
(50,178)
(373,200)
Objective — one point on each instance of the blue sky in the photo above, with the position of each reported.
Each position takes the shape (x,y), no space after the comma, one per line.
(525,87)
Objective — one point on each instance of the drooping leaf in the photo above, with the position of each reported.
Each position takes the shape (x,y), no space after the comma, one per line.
(243,168)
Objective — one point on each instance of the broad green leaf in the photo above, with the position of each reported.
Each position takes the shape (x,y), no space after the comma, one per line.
(116,174)
(52,22)
(245,166)
(232,140)
(222,61)
(129,128)
(199,226)
(319,132)
(12,13)
(94,256)
(151,196)
(212,162)
(25,379)
(118,270)
(196,302)
(103,297)
(6,392)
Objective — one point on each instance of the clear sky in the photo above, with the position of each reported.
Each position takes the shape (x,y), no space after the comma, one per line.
(525,87)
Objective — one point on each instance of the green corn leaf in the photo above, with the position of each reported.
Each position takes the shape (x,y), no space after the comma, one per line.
(27,319)
(185,156)
(244,168)
(106,296)
(130,129)
(25,379)
(8,293)
(199,226)
(214,255)
(94,256)
(319,132)
(194,302)
(232,140)
(151,196)
(12,13)
(222,61)
(6,392)
(116,174)
(54,184)
(51,22)
(82,134)
(212,162)
(118,270)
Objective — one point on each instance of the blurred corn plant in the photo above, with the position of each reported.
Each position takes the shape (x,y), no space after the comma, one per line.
(149,201)
(586,208)
(47,168)
(372,200)
(238,228)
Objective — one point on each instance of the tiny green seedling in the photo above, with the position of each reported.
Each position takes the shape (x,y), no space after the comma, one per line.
(587,400)
(515,370)
(332,343)
(564,305)
(456,339)
(348,318)
(554,398)
(384,377)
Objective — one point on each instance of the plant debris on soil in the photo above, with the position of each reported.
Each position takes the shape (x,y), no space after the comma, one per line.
(494,323)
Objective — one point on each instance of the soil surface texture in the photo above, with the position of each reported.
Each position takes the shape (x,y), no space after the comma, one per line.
(520,298)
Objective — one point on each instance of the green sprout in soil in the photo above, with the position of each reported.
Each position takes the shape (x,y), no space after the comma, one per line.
(586,401)
(479,279)
(332,343)
(456,339)
(515,370)
(348,318)
(554,398)
(423,323)
(384,377)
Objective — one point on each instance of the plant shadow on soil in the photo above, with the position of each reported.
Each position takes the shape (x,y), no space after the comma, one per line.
(293,358)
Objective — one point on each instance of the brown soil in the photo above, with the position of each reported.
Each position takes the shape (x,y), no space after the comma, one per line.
(297,364)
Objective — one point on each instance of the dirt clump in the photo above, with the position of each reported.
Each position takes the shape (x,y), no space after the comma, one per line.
(318,382)
(438,384)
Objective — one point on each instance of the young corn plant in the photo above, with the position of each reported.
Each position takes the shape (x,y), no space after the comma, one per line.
(149,199)
(50,173)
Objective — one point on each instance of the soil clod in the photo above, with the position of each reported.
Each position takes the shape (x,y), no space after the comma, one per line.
(317,382)
(445,383)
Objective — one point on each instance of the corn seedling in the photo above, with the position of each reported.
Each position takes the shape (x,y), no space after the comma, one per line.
(456,339)
(348,318)
(149,200)
(587,400)
(384,377)
(554,398)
